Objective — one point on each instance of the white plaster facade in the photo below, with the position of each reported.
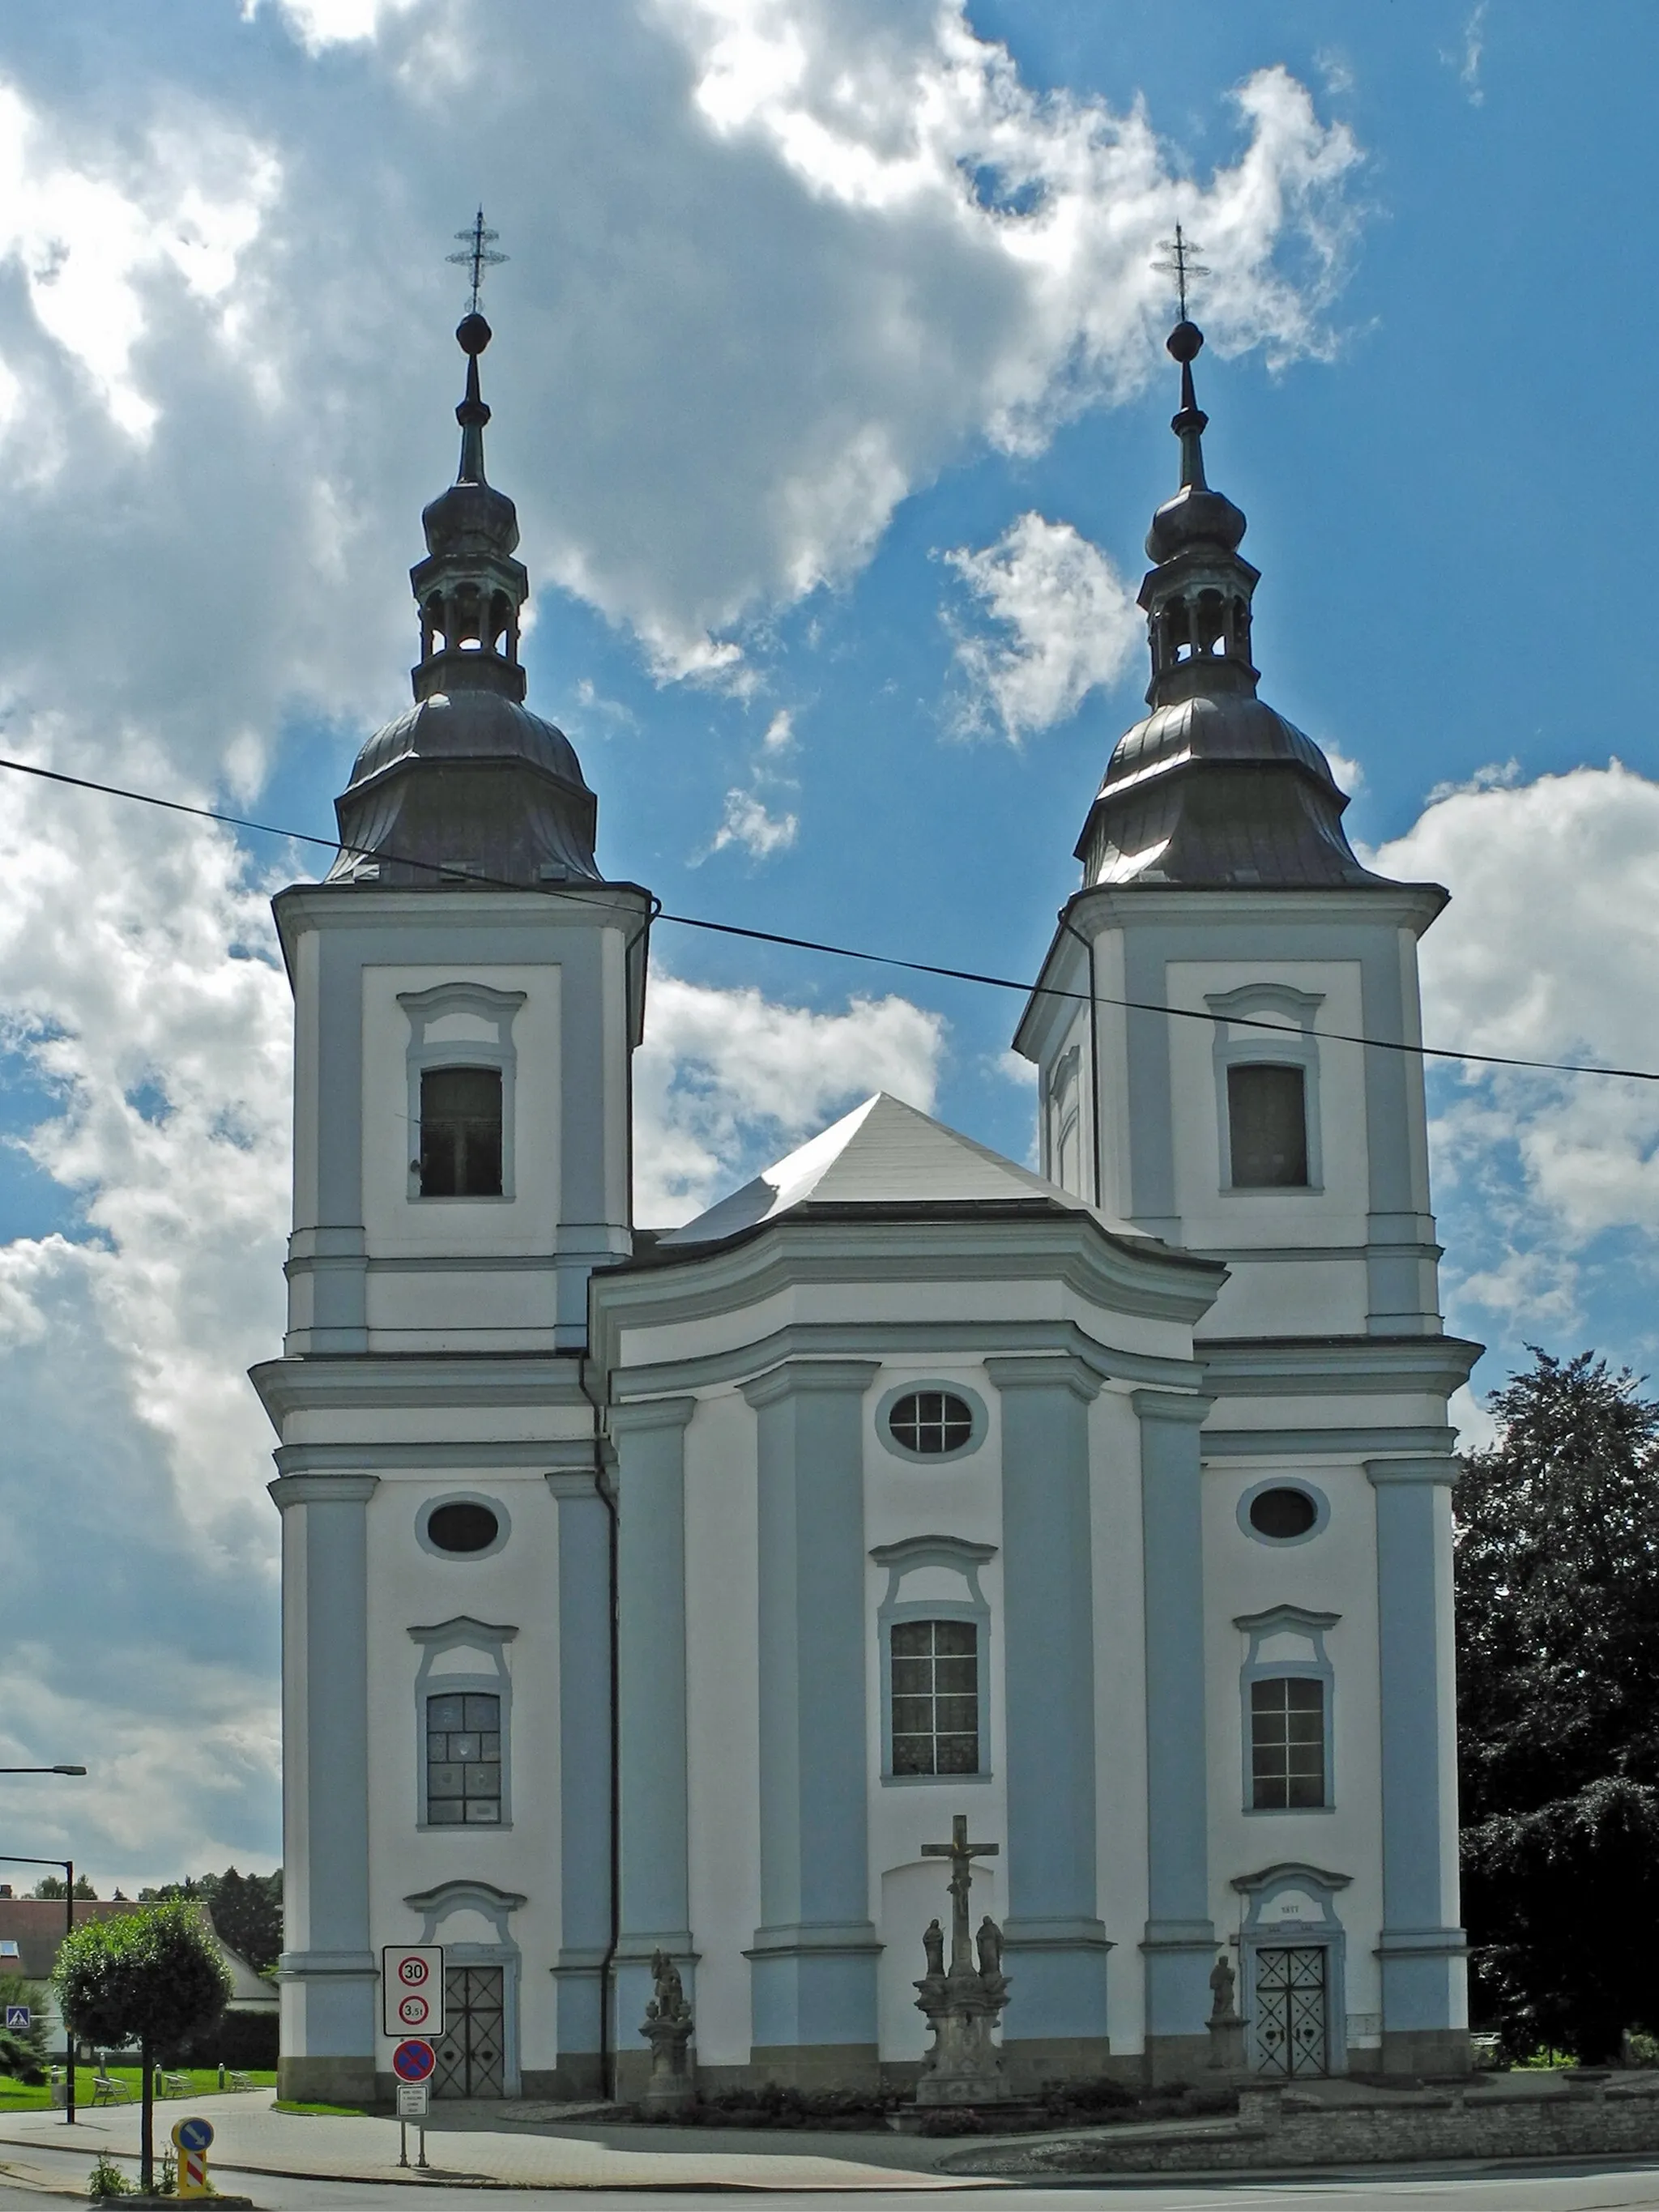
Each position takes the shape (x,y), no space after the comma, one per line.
(705,1531)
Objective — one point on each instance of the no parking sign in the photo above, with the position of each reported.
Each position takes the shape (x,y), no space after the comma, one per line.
(411,1991)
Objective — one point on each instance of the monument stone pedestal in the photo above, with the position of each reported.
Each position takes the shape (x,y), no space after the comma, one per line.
(1228,2055)
(667,2028)
(965,2067)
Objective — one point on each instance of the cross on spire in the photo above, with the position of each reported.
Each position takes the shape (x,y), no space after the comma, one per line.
(477,241)
(962,1855)
(1180,264)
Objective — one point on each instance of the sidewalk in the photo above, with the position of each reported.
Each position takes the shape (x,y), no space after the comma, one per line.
(250,2137)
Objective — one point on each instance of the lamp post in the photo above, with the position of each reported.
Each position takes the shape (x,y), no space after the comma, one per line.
(67,1865)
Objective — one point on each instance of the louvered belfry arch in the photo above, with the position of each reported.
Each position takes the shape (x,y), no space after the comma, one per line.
(1214,787)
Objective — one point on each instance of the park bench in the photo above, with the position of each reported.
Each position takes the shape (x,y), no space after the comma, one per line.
(106,2090)
(175,2085)
(241,2080)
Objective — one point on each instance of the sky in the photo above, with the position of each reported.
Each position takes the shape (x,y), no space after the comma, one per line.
(829,380)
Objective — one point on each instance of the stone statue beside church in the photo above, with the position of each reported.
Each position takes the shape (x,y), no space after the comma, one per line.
(667,2028)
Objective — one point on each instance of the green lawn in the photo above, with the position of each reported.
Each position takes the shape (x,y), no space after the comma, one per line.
(18,2096)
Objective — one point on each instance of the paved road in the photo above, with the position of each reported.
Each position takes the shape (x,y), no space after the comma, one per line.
(53,2173)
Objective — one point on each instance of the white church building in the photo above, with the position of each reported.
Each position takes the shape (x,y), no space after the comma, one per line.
(671,1591)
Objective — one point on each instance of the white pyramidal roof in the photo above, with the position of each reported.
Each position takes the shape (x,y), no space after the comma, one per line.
(883,1152)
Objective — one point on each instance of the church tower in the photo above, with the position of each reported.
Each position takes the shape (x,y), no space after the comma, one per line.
(468,994)
(1225,1031)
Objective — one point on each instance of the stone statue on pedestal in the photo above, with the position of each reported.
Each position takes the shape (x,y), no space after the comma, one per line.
(667,2028)
(1226,2027)
(965,2066)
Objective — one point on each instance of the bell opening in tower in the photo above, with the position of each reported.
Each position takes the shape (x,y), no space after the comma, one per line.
(460,1132)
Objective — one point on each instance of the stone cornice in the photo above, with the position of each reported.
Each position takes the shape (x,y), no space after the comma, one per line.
(321,1490)
(912,1342)
(790,1377)
(394,1381)
(1344,1366)
(921,1246)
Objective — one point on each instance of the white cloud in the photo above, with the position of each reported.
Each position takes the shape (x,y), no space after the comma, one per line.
(728,1081)
(1467,59)
(144,1646)
(1064,623)
(1546,877)
(322,23)
(748,823)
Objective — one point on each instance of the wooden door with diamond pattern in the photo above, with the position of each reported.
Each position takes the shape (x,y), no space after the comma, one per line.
(471,2056)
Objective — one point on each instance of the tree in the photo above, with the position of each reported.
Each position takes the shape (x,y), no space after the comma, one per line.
(51,1885)
(23,2050)
(246,1909)
(247,1912)
(1558,1653)
(150,1978)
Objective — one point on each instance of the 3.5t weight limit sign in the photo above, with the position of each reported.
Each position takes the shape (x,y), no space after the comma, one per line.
(412,1990)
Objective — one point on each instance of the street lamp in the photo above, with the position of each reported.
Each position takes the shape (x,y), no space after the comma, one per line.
(68,1866)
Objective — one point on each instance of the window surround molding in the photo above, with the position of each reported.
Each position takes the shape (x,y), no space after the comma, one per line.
(1315,1497)
(960,1556)
(503,1528)
(434,1679)
(1311,1627)
(498,1906)
(1260,1930)
(1290,1046)
(970,1398)
(1065,1117)
(484,1003)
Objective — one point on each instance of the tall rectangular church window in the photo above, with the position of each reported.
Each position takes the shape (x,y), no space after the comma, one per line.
(460,1132)
(935,1697)
(1268,1125)
(464,1761)
(1287,1743)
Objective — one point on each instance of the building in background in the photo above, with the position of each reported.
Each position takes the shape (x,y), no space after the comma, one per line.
(1109,1507)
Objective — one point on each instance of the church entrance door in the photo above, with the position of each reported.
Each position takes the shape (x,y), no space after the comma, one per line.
(1289,2009)
(471,2056)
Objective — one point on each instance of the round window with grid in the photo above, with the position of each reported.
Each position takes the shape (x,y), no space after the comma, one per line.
(931,1423)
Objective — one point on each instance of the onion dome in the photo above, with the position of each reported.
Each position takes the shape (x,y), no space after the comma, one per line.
(468,784)
(1214,787)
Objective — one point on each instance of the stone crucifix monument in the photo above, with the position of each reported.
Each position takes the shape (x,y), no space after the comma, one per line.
(964,2004)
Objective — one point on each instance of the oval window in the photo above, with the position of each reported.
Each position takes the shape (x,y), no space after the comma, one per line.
(931,1421)
(1283,1513)
(462,1526)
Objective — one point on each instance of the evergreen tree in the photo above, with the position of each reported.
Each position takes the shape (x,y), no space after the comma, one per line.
(1558,1653)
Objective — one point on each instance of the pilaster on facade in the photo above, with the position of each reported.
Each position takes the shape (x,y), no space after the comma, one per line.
(812,1959)
(1421,1948)
(653,1902)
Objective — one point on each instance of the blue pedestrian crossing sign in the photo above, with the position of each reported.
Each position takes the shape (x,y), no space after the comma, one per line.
(19,2016)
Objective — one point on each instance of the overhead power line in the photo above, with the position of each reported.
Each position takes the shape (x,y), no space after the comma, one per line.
(819,944)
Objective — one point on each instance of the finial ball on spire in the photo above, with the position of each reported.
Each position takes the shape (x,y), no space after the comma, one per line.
(472,334)
(1185,342)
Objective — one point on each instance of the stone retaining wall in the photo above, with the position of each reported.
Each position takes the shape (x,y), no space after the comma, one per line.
(1272,2131)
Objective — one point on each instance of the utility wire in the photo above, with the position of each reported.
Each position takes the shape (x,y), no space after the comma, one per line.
(818,944)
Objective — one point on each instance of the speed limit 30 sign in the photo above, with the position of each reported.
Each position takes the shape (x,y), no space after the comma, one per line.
(412,1990)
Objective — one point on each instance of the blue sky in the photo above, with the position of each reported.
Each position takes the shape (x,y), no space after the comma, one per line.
(828,379)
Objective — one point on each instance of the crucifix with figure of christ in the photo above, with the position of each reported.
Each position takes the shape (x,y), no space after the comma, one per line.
(962,1855)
